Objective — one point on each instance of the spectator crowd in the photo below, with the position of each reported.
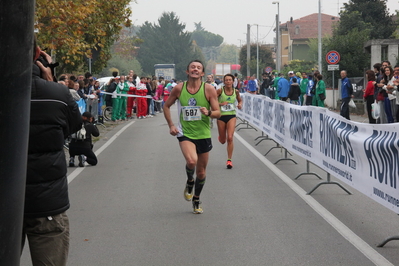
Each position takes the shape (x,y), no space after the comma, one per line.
(310,89)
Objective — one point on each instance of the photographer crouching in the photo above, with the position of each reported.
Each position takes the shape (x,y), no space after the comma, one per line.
(81,142)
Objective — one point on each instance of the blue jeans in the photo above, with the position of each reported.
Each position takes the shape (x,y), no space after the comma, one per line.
(152,107)
(388,110)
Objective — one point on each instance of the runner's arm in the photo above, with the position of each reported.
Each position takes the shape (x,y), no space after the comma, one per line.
(175,93)
(239,100)
(211,96)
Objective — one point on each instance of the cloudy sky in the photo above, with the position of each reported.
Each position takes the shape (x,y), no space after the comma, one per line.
(229,18)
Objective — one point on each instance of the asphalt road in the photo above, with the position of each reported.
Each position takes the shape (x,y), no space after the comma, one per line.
(130,210)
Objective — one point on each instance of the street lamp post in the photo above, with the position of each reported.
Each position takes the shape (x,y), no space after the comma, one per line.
(278,44)
(319,39)
(257,51)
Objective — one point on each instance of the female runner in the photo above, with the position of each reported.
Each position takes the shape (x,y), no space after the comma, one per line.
(228,97)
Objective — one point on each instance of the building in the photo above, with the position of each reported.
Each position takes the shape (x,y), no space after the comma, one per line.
(383,49)
(295,35)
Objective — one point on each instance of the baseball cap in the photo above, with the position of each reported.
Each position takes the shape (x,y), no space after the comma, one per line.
(290,72)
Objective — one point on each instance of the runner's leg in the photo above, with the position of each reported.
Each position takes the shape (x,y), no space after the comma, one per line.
(231,125)
(222,131)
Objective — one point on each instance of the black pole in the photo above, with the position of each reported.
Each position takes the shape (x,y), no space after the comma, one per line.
(16,29)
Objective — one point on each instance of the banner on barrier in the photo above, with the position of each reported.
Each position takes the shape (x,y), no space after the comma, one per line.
(82,105)
(364,156)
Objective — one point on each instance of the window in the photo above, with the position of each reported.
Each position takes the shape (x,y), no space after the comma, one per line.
(296,30)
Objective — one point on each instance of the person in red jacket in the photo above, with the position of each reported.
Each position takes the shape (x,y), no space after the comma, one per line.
(368,94)
(141,90)
(130,100)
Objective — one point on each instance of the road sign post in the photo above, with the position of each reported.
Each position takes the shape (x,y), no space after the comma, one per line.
(333,58)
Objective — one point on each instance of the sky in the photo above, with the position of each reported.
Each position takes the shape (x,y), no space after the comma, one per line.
(229,18)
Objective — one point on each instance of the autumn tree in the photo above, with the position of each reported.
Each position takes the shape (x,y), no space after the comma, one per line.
(265,58)
(77,29)
(166,43)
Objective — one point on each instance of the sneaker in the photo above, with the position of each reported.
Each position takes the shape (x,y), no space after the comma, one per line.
(197,209)
(188,196)
(82,160)
(71,162)
(229,164)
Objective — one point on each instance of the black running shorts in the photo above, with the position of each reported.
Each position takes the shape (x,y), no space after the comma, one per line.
(201,145)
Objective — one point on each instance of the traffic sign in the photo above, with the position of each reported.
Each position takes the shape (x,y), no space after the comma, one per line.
(333,67)
(333,57)
(268,69)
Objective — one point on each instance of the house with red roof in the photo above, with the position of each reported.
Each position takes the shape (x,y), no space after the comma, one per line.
(295,35)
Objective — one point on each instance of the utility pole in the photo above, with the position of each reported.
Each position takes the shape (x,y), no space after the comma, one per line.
(16,58)
(257,51)
(319,38)
(278,40)
(248,49)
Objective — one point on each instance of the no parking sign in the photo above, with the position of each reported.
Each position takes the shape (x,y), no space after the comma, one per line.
(268,69)
(333,57)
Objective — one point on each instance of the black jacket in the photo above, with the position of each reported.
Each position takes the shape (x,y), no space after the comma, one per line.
(91,130)
(53,116)
(294,92)
(265,85)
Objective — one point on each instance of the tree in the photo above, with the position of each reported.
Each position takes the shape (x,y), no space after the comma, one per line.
(360,20)
(198,26)
(265,59)
(73,29)
(373,13)
(228,54)
(205,38)
(122,64)
(350,48)
(299,66)
(127,44)
(166,43)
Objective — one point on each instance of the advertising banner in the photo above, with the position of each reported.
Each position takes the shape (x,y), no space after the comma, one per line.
(364,156)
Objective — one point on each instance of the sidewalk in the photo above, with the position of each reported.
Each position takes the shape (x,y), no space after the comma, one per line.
(355,117)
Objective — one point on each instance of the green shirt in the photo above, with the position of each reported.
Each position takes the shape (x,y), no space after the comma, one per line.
(304,85)
(230,108)
(193,124)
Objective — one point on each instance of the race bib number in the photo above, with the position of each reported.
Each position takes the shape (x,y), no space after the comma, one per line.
(191,113)
(228,107)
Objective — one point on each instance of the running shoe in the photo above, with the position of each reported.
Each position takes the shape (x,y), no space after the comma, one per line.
(197,209)
(229,164)
(71,162)
(188,195)
(82,160)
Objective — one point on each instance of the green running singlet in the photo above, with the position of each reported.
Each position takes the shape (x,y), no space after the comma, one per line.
(193,124)
(230,108)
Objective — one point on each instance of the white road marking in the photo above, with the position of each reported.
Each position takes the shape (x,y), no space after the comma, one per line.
(341,228)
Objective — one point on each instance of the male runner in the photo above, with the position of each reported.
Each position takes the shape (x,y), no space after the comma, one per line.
(228,96)
(197,103)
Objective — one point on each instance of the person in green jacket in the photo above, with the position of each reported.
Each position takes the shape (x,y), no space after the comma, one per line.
(116,103)
(124,88)
(303,86)
(276,79)
(319,97)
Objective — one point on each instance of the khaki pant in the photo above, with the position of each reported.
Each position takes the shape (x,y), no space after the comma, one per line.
(48,239)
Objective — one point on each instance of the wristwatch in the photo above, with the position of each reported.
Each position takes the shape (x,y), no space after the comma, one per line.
(209,112)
